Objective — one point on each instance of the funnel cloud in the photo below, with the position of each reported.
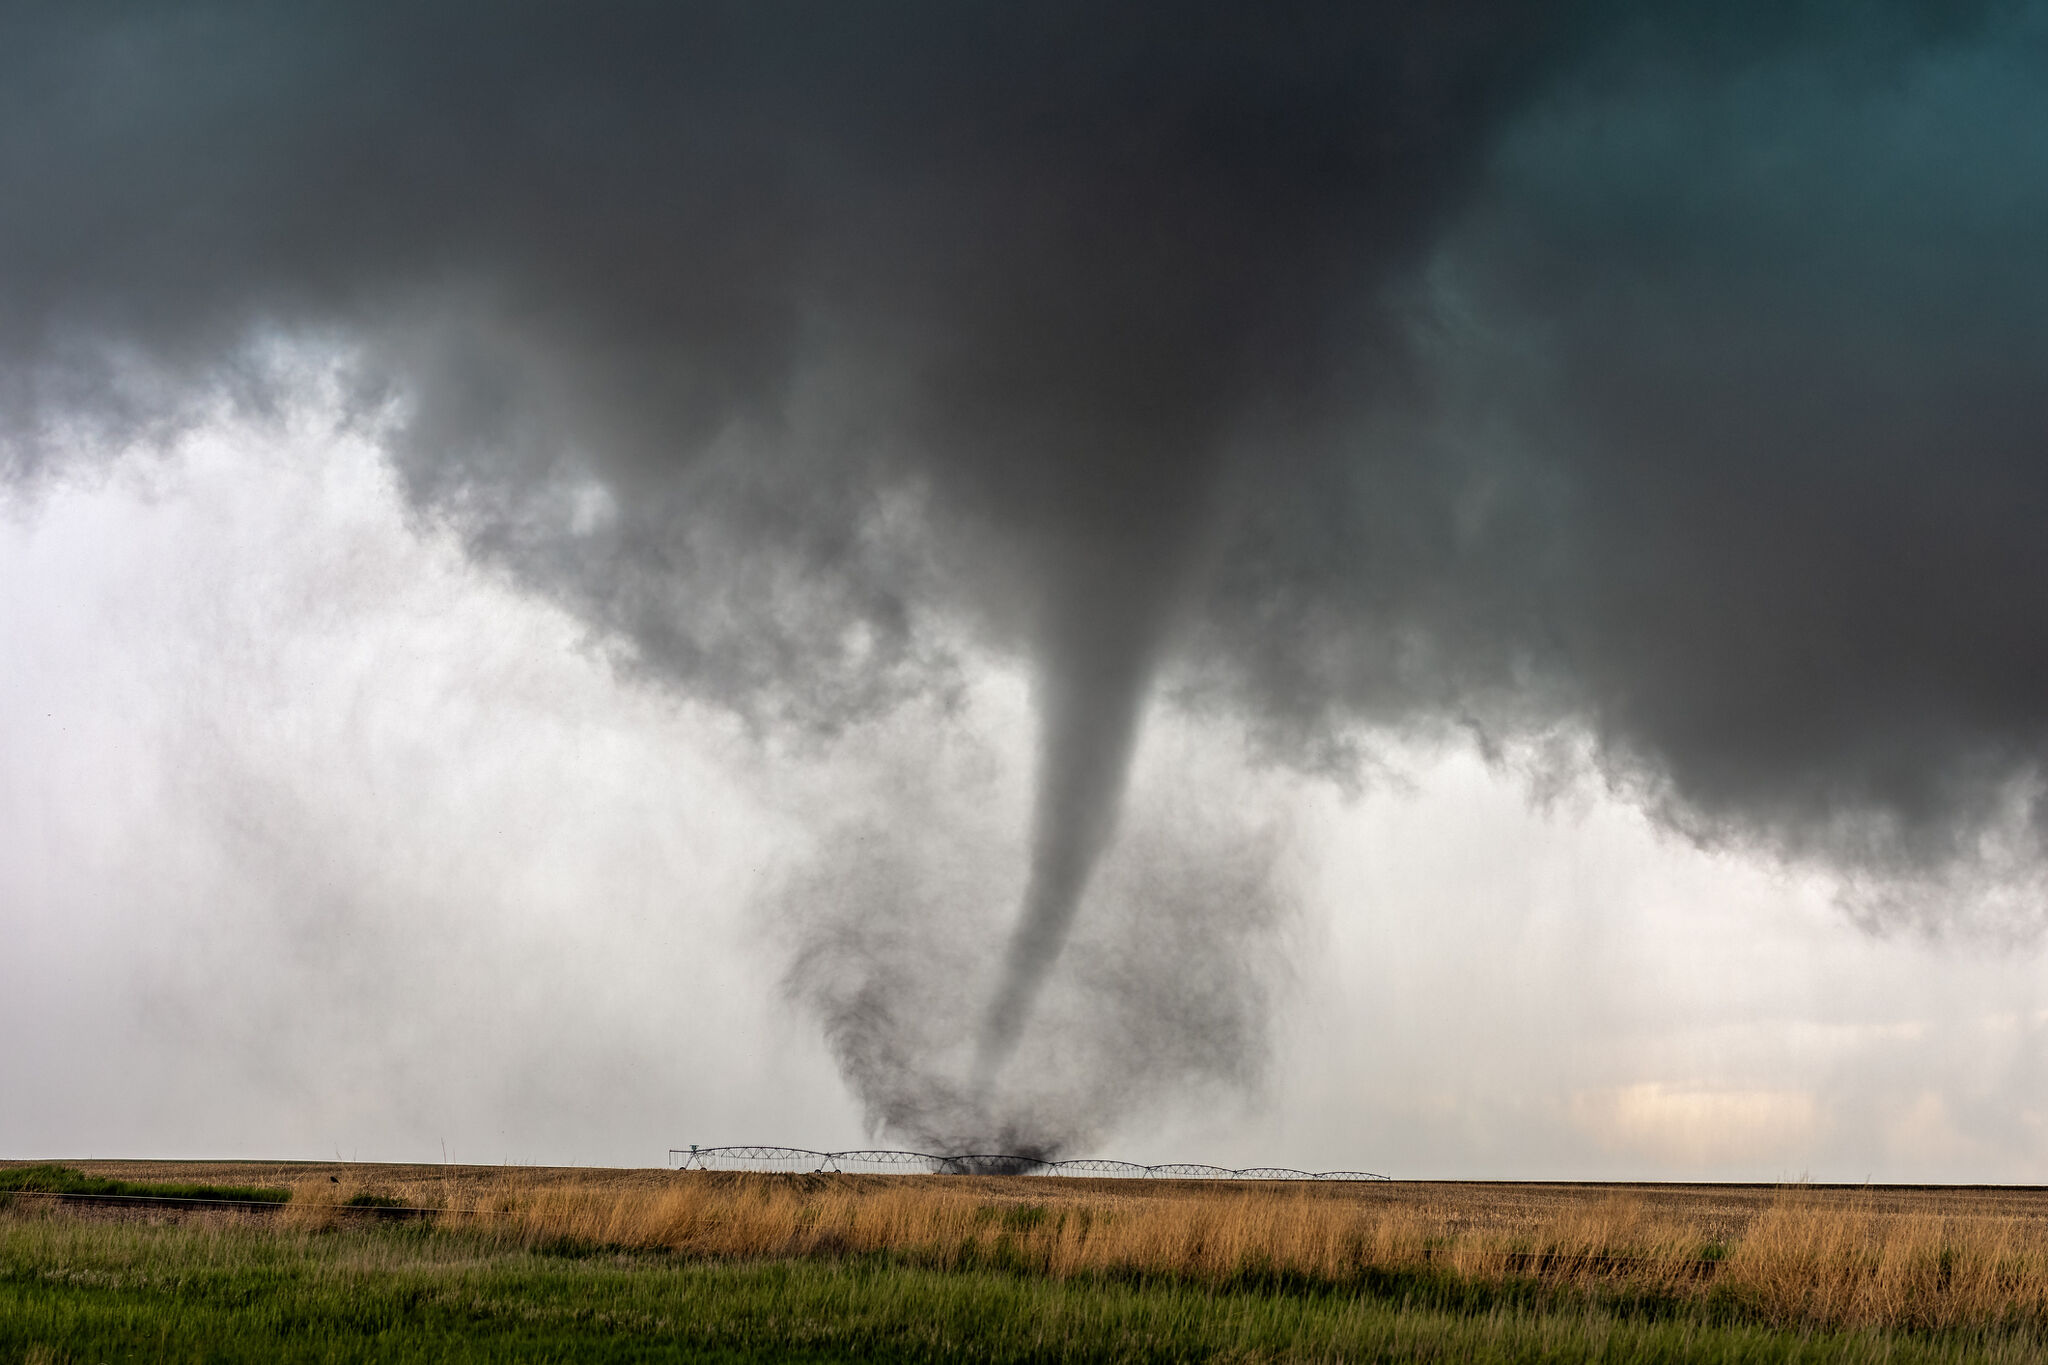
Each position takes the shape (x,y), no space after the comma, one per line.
(1655,384)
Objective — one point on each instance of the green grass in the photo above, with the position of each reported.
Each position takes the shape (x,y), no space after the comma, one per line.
(372,1201)
(75,1289)
(52,1179)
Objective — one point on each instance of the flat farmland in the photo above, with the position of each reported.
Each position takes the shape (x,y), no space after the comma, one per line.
(1513,1215)
(1723,1210)
(447,1262)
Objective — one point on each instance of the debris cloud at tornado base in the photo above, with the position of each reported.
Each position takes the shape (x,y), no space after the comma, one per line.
(1663,378)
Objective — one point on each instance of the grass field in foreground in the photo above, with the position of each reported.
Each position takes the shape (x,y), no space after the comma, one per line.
(88,1286)
(1798,1257)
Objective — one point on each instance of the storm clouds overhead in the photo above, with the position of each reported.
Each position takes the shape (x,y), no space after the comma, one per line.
(1659,392)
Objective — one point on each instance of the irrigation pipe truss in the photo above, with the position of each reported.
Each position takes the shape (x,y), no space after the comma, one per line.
(927,1163)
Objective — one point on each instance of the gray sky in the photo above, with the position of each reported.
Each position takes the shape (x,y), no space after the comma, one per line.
(319,838)
(1450,586)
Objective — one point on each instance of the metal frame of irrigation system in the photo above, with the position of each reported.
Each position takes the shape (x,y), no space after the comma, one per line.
(879,1162)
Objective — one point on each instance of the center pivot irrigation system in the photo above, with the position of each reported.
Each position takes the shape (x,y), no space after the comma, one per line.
(927,1163)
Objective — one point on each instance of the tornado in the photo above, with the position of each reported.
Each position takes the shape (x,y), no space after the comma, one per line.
(1098,653)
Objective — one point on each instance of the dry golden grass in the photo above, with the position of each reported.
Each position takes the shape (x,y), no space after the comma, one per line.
(1841,1260)
(1796,1255)
(1836,1258)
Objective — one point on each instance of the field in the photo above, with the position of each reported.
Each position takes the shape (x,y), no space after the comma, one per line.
(393,1262)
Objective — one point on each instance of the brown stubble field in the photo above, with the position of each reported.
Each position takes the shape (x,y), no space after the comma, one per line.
(1852,1256)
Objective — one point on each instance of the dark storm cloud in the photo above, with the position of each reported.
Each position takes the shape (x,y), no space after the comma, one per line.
(1668,372)
(759,270)
(1736,455)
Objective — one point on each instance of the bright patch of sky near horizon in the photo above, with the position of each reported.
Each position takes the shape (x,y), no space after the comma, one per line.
(315,839)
